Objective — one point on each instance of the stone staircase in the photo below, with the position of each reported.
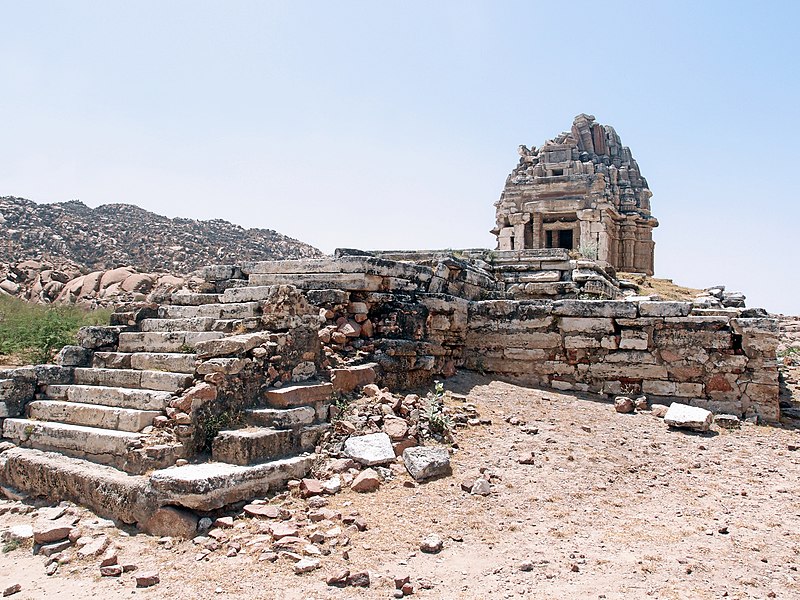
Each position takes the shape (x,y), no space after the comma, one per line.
(106,413)
(113,425)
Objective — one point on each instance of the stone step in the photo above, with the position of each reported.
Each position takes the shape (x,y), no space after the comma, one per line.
(175,362)
(252,445)
(193,299)
(209,486)
(281,418)
(91,415)
(298,395)
(239,310)
(109,492)
(104,446)
(133,378)
(186,324)
(158,341)
(118,397)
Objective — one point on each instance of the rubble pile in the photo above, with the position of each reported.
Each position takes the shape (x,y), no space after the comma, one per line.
(114,235)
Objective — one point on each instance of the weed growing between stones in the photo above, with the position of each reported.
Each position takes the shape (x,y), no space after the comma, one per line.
(438,422)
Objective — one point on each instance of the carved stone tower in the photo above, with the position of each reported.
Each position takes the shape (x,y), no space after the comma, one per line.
(582,191)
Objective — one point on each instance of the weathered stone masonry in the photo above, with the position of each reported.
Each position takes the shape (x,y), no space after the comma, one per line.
(580,190)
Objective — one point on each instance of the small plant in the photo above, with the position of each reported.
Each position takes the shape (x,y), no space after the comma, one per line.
(341,402)
(212,424)
(438,421)
(10,546)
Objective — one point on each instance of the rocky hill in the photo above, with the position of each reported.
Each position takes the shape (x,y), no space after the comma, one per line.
(115,235)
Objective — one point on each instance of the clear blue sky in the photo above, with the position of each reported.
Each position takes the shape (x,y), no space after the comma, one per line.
(394,124)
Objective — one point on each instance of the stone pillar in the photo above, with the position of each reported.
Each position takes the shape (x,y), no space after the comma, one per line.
(627,232)
(537,239)
(505,239)
(521,236)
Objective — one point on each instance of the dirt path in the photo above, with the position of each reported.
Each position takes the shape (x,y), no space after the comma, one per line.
(614,506)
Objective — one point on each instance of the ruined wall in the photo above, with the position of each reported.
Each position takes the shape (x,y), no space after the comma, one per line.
(715,359)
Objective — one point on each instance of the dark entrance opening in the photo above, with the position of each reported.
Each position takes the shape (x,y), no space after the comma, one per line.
(565,239)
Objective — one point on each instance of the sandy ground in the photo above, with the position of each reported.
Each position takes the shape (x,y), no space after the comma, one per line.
(615,506)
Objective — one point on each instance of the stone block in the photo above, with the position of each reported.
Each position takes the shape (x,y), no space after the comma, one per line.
(683,416)
(371,449)
(659,388)
(348,379)
(586,325)
(634,340)
(74,356)
(424,462)
(664,309)
(251,445)
(595,308)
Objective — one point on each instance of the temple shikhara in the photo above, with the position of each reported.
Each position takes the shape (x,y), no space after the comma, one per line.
(580,191)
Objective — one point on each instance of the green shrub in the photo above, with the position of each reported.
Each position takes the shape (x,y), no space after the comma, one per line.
(36,332)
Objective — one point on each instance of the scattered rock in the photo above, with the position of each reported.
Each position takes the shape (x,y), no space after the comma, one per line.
(727,421)
(424,462)
(310,487)
(94,547)
(12,589)
(366,481)
(481,487)
(306,565)
(432,544)
(111,571)
(659,410)
(623,404)
(360,579)
(224,522)
(267,511)
(147,579)
(338,579)
(332,485)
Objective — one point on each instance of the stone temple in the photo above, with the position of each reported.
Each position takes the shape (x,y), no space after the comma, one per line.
(580,191)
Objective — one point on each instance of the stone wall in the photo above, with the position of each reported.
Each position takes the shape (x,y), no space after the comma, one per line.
(721,360)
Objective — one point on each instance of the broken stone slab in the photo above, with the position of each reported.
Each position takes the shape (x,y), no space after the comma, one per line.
(18,533)
(683,416)
(47,532)
(371,449)
(423,462)
(235,344)
(209,486)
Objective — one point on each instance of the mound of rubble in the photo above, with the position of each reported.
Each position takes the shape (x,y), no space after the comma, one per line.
(115,235)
